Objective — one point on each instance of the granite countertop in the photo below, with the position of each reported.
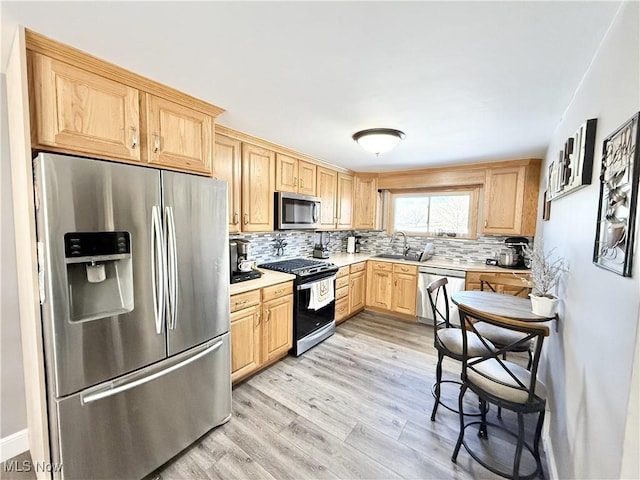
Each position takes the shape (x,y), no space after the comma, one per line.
(342,259)
(268,278)
(271,277)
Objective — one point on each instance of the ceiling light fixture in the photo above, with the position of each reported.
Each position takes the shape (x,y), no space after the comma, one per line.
(378,140)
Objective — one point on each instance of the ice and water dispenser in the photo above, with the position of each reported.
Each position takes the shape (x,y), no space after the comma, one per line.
(99,274)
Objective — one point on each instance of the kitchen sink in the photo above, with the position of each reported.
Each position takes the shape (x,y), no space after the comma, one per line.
(396,256)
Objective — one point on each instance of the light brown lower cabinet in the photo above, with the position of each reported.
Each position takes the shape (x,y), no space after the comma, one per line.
(379,285)
(350,290)
(392,287)
(405,288)
(261,328)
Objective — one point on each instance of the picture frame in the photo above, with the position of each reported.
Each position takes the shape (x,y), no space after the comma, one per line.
(546,207)
(574,168)
(617,204)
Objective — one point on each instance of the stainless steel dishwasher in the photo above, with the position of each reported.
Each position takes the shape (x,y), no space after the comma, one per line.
(455,283)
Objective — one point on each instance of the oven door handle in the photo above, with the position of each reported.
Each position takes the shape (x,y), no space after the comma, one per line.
(307,286)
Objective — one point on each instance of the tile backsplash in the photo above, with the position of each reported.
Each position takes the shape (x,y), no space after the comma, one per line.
(299,243)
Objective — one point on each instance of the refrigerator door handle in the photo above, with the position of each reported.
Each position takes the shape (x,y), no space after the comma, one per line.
(158,262)
(172,254)
(109,392)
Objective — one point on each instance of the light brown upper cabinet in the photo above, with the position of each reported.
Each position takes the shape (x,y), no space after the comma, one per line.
(335,190)
(226,166)
(307,175)
(510,199)
(177,136)
(344,205)
(258,173)
(77,111)
(295,176)
(365,202)
(327,191)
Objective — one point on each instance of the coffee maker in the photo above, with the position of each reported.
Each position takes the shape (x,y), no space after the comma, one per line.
(517,244)
(239,265)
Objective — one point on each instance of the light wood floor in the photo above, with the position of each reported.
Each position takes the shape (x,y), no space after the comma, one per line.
(356,406)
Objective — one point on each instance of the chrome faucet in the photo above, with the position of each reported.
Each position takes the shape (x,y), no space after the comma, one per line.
(405,247)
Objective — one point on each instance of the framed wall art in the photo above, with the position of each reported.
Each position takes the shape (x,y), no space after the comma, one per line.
(574,167)
(615,229)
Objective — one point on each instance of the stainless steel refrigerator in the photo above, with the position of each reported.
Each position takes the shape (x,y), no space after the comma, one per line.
(134,287)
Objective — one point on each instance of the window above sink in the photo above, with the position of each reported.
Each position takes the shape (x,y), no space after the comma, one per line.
(441,212)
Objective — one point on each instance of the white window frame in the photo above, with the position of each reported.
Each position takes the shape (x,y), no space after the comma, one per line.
(472,191)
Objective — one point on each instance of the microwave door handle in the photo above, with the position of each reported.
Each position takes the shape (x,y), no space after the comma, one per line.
(315,212)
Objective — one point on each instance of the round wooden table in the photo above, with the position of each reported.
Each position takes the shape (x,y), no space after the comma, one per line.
(500,304)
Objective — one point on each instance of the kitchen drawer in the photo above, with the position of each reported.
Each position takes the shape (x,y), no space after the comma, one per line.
(404,268)
(342,309)
(342,271)
(245,300)
(358,267)
(342,282)
(275,291)
(382,266)
(342,292)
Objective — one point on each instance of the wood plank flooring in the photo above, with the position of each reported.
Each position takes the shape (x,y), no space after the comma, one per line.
(356,406)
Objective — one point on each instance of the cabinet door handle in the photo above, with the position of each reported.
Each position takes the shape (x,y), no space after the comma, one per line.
(302,182)
(134,137)
(246,218)
(258,318)
(486,222)
(156,143)
(268,316)
(295,180)
(236,218)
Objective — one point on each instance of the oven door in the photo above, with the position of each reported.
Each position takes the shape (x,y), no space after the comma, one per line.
(307,320)
(298,212)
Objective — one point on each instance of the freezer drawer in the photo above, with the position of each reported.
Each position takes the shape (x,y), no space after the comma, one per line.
(129,427)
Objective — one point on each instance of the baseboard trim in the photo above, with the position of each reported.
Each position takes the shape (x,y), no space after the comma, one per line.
(13,445)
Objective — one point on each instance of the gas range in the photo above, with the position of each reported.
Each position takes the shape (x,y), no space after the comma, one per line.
(301,267)
(313,319)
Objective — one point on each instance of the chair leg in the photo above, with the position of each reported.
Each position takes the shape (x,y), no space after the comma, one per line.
(482,431)
(536,442)
(530,359)
(518,456)
(454,457)
(437,390)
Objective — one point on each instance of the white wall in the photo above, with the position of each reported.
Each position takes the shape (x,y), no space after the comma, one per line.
(13,417)
(589,360)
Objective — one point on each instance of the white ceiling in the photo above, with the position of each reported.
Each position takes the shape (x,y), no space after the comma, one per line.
(466,81)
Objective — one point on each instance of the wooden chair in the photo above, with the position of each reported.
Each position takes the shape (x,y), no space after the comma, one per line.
(509,285)
(501,336)
(502,383)
(447,339)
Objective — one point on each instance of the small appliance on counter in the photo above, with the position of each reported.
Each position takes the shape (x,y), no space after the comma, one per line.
(512,256)
(239,264)
(351,244)
(358,244)
(321,248)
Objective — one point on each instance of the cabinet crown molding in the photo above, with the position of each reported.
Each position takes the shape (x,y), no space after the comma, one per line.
(36,42)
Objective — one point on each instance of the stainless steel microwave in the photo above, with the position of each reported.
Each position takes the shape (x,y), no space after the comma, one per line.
(297,212)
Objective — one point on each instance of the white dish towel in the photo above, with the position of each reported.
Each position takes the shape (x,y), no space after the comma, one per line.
(322,294)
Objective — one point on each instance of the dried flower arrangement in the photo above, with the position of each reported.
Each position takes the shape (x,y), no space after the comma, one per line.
(545,270)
